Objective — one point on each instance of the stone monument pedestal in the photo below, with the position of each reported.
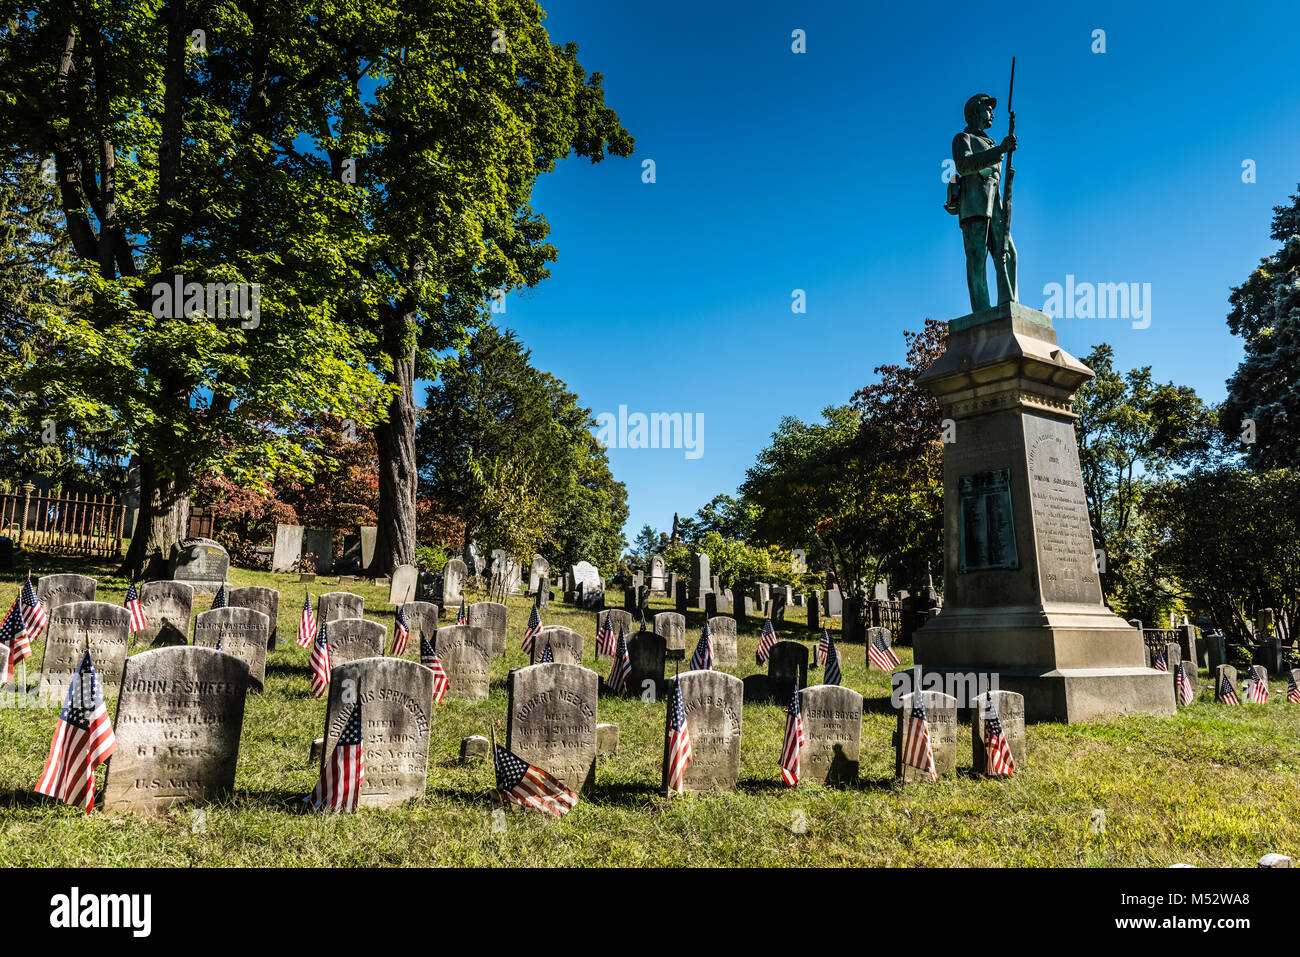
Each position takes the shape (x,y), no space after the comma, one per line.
(1022,597)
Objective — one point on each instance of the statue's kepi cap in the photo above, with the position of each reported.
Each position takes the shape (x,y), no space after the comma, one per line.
(978,98)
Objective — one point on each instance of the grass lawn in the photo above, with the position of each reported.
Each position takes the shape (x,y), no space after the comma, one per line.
(1213,786)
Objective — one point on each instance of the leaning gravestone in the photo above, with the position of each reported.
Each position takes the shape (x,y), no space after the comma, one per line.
(421,616)
(672,626)
(395,697)
(941,716)
(265,600)
(243,633)
(1011,715)
(787,669)
(333,605)
(287,549)
(402,588)
(551,720)
(102,627)
(714,701)
(646,653)
(453,583)
(466,655)
(178,724)
(538,569)
(56,590)
(167,606)
(492,616)
(724,641)
(832,726)
(199,562)
(351,639)
(566,645)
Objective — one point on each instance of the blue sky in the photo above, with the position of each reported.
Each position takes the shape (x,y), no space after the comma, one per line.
(822,171)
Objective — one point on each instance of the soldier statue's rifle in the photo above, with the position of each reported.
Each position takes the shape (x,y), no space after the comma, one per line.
(1011,170)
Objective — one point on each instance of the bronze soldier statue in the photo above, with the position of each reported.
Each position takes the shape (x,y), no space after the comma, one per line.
(979,206)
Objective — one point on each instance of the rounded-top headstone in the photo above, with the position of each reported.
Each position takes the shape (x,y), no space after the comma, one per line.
(787,670)
(566,645)
(941,716)
(714,702)
(552,720)
(333,605)
(200,560)
(167,607)
(421,616)
(351,639)
(832,724)
(56,590)
(492,616)
(465,652)
(102,627)
(618,618)
(1010,709)
(723,630)
(258,598)
(672,626)
(242,632)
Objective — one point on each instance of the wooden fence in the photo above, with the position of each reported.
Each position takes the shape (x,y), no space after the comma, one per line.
(76,524)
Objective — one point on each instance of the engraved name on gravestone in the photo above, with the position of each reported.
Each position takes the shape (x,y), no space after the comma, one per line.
(453,583)
(402,588)
(265,600)
(199,560)
(552,720)
(832,725)
(56,590)
(714,701)
(672,626)
(167,606)
(178,724)
(566,645)
(724,641)
(74,626)
(466,655)
(941,715)
(646,653)
(787,669)
(421,616)
(242,633)
(333,605)
(492,616)
(351,639)
(287,548)
(396,697)
(1010,708)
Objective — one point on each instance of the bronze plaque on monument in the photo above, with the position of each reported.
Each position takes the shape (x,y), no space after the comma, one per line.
(988,530)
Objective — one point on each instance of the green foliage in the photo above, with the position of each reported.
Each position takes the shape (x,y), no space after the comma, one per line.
(431,558)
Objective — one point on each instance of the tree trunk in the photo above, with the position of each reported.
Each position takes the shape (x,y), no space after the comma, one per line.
(395,538)
(162,521)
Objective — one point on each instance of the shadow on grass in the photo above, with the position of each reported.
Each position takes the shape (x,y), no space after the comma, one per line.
(14,799)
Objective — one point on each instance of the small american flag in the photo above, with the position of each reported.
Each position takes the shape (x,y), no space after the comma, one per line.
(917,752)
(1183,686)
(462,616)
(1292,689)
(621,673)
(832,675)
(1259,688)
(679,740)
(881,654)
(341,778)
(83,740)
(33,610)
(528,786)
(765,642)
(794,740)
(605,637)
(702,660)
(401,633)
(533,630)
(997,750)
(307,624)
(1161,663)
(1225,693)
(132,604)
(642,628)
(320,662)
(221,600)
(13,634)
(819,650)
(548,655)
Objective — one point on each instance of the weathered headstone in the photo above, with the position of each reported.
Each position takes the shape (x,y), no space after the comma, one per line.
(201,562)
(395,696)
(617,619)
(834,603)
(1216,650)
(679,598)
(778,603)
(700,584)
(646,652)
(538,569)
(832,726)
(1189,669)
(566,645)
(588,585)
(670,586)
(287,549)
(4,662)
(506,570)
(723,630)
(453,584)
(1187,642)
(787,669)
(714,702)
(492,616)
(242,633)
(1219,673)
(265,600)
(319,544)
(872,635)
(1173,655)
(815,612)
(167,606)
(1011,715)
(543,592)
(941,715)
(551,720)
(74,626)
(1257,673)
(466,655)
(672,627)
(333,605)
(56,590)
(421,616)
(178,723)
(351,639)
(658,584)
(402,588)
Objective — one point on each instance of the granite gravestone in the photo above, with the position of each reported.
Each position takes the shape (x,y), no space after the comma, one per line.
(243,632)
(178,723)
(700,578)
(714,701)
(56,590)
(466,655)
(265,600)
(566,645)
(395,696)
(75,626)
(319,544)
(832,726)
(679,598)
(723,630)
(1010,708)
(672,627)
(287,549)
(941,716)
(551,720)
(402,588)
(492,616)
(538,569)
(815,612)
(646,653)
(167,606)
(333,605)
(787,669)
(453,584)
(351,639)
(421,616)
(201,562)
